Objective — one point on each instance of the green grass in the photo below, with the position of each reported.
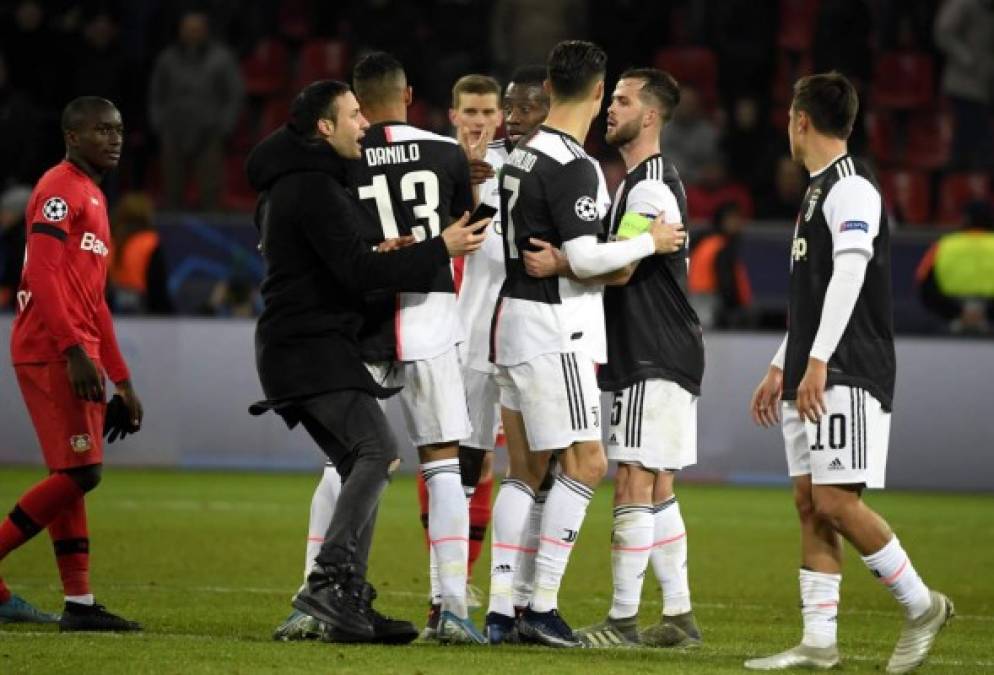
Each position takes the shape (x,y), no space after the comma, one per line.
(208,562)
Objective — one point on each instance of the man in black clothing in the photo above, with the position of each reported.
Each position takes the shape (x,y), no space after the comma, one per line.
(307,350)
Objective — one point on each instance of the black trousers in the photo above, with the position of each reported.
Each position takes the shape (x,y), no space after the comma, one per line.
(353,432)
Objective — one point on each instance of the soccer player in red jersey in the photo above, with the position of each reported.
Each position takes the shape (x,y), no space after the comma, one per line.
(62,346)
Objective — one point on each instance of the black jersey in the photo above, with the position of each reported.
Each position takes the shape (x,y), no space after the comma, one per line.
(842,211)
(652,331)
(413,182)
(550,189)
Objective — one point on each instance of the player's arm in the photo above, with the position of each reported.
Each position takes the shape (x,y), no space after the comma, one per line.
(765,403)
(350,260)
(649,199)
(117,370)
(852,212)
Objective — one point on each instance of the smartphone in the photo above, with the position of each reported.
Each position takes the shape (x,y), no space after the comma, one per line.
(482,211)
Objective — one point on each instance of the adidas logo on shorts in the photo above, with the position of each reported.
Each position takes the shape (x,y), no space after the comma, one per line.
(836,465)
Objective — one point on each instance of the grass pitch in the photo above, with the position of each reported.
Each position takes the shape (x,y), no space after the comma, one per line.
(208,561)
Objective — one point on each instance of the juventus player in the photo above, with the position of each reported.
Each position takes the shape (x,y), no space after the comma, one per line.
(654,369)
(548,334)
(415,183)
(834,373)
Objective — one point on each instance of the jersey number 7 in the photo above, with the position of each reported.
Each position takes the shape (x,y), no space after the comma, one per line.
(423,211)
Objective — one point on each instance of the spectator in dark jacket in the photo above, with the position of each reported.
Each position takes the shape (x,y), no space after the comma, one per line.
(307,351)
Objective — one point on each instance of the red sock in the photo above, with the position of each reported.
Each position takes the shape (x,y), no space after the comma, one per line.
(479,519)
(4,592)
(72,548)
(423,501)
(36,508)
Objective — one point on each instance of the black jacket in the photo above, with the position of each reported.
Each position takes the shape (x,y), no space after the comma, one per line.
(317,270)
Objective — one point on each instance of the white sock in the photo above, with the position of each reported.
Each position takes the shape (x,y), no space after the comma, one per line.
(515,500)
(448,529)
(631,545)
(524,574)
(81,599)
(322,508)
(435,588)
(820,607)
(565,510)
(892,566)
(669,557)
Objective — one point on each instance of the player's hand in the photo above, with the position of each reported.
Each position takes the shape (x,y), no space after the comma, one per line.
(132,403)
(85,378)
(480,171)
(765,404)
(474,149)
(547,261)
(461,236)
(668,237)
(396,243)
(811,392)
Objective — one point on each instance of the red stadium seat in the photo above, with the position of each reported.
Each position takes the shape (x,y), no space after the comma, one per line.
(959,189)
(930,135)
(696,66)
(322,60)
(702,203)
(266,70)
(880,130)
(797,24)
(903,80)
(906,194)
(274,115)
(294,19)
(789,69)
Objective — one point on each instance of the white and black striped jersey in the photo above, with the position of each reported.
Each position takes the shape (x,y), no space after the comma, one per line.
(413,182)
(483,274)
(842,211)
(652,330)
(550,189)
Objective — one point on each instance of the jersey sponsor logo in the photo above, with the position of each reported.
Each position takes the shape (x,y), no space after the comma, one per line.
(586,209)
(812,201)
(851,225)
(80,443)
(394,154)
(799,249)
(89,242)
(55,209)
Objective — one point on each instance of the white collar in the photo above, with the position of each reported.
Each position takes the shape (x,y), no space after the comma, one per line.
(830,163)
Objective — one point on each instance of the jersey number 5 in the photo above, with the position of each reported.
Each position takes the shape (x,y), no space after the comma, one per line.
(426,210)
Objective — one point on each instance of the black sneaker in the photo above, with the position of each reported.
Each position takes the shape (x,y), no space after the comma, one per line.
(430,632)
(335,595)
(546,628)
(77,616)
(501,629)
(386,630)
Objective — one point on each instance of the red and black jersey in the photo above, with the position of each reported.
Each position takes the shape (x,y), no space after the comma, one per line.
(60,300)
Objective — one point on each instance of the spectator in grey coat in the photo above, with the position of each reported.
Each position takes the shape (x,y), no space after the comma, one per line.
(195,96)
(964,31)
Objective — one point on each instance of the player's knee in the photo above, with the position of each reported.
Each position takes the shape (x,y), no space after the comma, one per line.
(471,465)
(86,477)
(804,502)
(591,468)
(829,505)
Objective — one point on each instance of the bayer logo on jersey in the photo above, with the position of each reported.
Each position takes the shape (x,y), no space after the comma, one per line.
(586,208)
(55,209)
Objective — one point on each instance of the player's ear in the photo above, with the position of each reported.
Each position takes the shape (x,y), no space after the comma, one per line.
(599,90)
(408,96)
(452,117)
(326,127)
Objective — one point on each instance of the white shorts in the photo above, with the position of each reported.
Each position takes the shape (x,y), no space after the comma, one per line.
(433,399)
(483,401)
(848,446)
(558,397)
(653,424)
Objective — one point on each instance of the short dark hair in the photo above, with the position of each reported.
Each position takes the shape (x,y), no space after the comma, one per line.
(78,110)
(574,66)
(318,99)
(474,84)
(376,77)
(830,100)
(659,88)
(530,75)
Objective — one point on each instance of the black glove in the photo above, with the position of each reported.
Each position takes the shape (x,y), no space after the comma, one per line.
(117,421)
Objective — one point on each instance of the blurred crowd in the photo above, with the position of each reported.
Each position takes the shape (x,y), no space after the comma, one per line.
(198,83)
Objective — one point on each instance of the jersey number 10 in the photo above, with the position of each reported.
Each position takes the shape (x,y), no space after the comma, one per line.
(423,211)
